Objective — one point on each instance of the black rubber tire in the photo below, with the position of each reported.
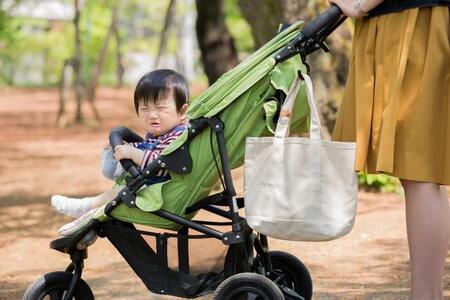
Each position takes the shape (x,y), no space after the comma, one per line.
(53,286)
(295,274)
(248,286)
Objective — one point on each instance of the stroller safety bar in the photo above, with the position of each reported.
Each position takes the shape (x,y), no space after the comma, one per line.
(117,137)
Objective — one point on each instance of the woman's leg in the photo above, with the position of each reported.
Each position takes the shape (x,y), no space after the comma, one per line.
(428,228)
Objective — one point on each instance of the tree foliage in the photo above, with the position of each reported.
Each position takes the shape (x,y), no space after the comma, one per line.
(20,39)
(139,28)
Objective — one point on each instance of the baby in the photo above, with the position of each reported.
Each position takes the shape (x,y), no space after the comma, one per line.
(161,102)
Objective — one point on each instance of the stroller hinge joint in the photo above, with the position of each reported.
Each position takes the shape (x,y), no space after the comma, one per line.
(127,197)
(233,237)
(215,124)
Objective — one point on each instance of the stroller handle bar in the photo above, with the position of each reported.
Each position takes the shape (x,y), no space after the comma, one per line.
(312,36)
(329,16)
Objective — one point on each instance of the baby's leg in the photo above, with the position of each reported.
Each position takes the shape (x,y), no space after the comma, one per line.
(76,207)
(106,196)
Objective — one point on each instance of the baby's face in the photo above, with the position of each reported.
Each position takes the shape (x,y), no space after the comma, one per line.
(161,116)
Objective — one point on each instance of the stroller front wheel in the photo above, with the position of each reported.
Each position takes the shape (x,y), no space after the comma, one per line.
(248,286)
(54,285)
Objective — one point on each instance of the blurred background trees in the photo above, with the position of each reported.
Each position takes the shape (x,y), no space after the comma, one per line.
(80,44)
(218,52)
(76,45)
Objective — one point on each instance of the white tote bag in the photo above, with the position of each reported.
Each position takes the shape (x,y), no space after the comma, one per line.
(302,189)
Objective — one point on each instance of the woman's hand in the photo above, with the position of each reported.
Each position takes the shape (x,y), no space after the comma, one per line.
(129,152)
(350,8)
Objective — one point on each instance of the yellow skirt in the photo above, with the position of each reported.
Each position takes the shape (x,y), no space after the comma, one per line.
(396,103)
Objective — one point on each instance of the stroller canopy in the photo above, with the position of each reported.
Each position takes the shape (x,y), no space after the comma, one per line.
(238,80)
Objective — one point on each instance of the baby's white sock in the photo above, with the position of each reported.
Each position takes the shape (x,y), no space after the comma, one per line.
(73,207)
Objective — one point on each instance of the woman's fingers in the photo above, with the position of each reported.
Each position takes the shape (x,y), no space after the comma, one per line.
(348,7)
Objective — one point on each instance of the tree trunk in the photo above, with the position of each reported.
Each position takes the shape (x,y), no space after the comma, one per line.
(186,41)
(294,10)
(99,64)
(217,48)
(165,31)
(120,70)
(61,118)
(263,17)
(77,64)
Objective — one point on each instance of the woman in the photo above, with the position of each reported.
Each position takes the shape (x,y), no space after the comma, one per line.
(397,107)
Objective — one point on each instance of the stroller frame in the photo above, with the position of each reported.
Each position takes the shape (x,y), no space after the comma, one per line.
(241,240)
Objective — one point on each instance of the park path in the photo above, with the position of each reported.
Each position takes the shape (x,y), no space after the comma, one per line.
(38,160)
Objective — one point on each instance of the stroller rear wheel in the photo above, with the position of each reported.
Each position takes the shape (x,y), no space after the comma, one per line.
(53,286)
(288,271)
(246,286)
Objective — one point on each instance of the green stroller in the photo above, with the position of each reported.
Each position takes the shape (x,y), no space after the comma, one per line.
(243,102)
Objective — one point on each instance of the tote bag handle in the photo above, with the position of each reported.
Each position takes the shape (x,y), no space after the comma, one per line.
(283,125)
(284,121)
(279,152)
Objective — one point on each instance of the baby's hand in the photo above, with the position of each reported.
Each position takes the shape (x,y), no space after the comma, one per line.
(128,152)
(124,152)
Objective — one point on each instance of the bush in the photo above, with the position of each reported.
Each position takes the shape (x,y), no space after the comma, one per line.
(379,183)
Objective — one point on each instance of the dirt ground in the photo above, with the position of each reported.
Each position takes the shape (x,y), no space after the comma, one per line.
(37,159)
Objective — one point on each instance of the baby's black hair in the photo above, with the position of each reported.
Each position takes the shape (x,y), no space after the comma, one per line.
(157,84)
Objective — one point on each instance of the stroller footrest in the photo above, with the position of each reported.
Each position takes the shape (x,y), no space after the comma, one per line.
(65,245)
(61,244)
(79,241)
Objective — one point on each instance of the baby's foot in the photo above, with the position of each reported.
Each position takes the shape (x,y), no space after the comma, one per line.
(73,207)
(72,227)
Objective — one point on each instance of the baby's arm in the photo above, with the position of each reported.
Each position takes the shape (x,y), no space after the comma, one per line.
(129,152)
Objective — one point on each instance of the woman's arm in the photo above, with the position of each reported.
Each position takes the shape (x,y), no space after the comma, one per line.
(356,8)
